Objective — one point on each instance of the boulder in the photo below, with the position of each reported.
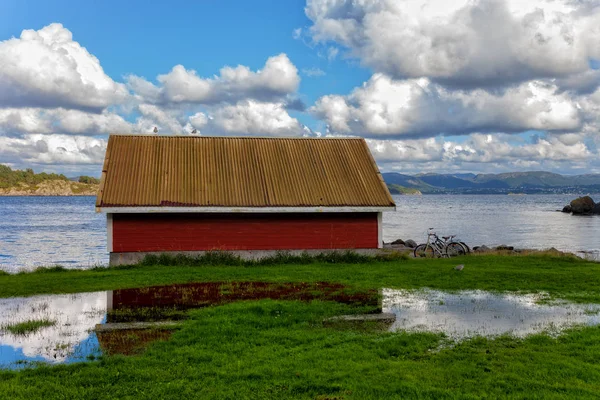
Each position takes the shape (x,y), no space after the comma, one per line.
(481,249)
(596,209)
(567,209)
(410,243)
(398,241)
(505,247)
(583,205)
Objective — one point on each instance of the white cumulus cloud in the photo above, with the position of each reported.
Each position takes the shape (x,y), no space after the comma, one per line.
(276,79)
(463,42)
(384,107)
(256,118)
(48,69)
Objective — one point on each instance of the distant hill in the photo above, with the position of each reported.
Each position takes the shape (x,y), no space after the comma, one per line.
(397,189)
(28,183)
(407,181)
(524,182)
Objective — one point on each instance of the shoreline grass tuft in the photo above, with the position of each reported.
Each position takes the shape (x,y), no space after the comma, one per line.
(29,326)
(213,258)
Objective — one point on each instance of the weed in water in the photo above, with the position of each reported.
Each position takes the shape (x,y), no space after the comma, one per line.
(30,326)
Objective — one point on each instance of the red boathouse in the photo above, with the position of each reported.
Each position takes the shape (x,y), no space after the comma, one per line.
(251,196)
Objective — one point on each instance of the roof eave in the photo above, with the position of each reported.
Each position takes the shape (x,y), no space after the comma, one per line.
(179,209)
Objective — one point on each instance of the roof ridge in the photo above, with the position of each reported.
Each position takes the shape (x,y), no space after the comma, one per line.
(236,137)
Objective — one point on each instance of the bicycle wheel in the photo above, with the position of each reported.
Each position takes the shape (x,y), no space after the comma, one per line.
(424,250)
(467,248)
(454,249)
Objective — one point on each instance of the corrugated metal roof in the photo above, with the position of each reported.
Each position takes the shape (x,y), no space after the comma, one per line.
(200,171)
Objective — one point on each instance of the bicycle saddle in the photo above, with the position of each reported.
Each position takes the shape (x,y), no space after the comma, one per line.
(448,237)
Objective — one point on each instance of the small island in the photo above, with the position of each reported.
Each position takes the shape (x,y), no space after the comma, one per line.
(28,183)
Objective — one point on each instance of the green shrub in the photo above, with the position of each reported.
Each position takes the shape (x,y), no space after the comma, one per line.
(279,258)
(10,178)
(88,180)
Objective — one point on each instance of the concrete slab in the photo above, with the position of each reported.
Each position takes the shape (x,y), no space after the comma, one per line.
(388,318)
(112,326)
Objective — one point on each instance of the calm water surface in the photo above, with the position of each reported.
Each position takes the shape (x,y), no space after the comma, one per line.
(522,221)
(36,231)
(41,231)
(471,313)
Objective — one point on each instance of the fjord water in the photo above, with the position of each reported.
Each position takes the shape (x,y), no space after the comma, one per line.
(43,231)
(528,221)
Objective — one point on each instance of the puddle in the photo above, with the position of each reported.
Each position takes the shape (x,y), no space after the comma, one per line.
(466,314)
(69,339)
(72,336)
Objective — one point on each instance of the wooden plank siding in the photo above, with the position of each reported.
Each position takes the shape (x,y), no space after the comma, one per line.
(201,232)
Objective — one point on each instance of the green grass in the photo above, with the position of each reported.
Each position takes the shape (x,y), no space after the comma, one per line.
(566,277)
(283,349)
(280,258)
(270,349)
(29,326)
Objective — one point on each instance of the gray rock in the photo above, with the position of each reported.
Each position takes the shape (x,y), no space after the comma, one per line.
(459,267)
(398,241)
(567,209)
(410,243)
(582,205)
(481,249)
(596,209)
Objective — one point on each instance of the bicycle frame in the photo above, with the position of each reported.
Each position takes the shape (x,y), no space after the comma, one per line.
(437,245)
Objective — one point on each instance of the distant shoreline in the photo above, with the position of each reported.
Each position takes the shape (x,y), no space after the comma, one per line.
(47,195)
(47,188)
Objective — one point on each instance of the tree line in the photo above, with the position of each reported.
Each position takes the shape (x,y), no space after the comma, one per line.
(10,177)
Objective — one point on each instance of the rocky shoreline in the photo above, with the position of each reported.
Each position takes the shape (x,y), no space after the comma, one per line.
(409,246)
(52,188)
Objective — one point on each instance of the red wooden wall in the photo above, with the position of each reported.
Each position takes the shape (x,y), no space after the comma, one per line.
(285,231)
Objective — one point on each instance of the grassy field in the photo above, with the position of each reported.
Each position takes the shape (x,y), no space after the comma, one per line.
(281,349)
(567,277)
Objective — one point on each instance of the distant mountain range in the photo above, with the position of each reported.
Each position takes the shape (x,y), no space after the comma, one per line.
(511,182)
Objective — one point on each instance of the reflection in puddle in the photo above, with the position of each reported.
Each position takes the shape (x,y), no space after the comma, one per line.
(201,294)
(467,314)
(69,339)
(71,336)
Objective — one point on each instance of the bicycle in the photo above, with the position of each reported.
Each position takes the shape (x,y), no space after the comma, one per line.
(455,248)
(435,248)
(438,248)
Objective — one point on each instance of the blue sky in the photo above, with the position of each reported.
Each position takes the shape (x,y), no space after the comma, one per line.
(147,38)
(429,87)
